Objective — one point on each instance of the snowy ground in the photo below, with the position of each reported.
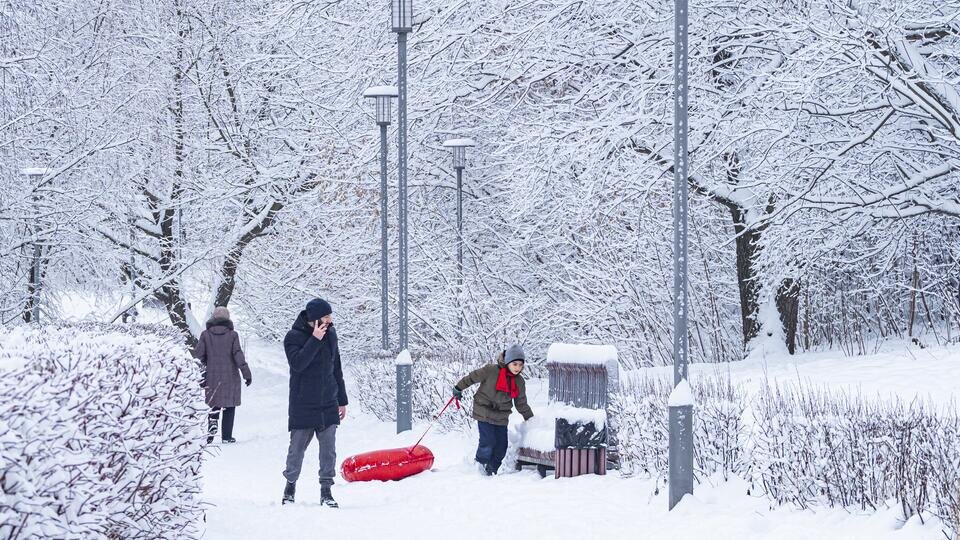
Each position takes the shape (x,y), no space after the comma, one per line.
(896,371)
(243,481)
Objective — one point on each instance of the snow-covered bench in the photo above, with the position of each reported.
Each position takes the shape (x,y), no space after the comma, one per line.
(571,435)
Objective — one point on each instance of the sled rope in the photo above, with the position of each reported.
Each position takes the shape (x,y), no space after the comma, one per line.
(434,421)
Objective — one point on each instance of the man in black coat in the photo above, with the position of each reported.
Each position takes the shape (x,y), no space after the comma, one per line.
(318,398)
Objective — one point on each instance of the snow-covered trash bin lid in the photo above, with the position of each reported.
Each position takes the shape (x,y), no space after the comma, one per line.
(563,426)
(540,432)
(578,427)
(580,415)
(581,354)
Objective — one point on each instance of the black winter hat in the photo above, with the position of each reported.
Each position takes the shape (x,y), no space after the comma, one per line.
(317,309)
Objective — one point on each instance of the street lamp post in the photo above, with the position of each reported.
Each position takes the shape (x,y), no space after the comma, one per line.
(401,20)
(35,174)
(681,409)
(459,147)
(384,96)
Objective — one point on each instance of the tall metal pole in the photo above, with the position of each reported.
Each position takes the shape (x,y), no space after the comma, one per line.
(459,250)
(680,416)
(402,174)
(404,371)
(459,147)
(384,268)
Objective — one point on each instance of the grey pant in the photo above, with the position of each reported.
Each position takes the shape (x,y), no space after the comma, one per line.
(300,440)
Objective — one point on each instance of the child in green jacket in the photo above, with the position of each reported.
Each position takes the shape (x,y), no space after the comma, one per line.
(501,388)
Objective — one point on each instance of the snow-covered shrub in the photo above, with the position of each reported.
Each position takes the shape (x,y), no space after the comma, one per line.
(101,433)
(433,380)
(719,432)
(375,378)
(815,447)
(639,414)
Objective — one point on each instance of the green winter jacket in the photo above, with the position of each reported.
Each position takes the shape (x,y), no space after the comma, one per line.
(490,405)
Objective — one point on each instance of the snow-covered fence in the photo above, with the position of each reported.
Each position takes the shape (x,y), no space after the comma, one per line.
(101,433)
(815,447)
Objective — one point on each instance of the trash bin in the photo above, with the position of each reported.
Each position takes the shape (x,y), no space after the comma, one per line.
(581,448)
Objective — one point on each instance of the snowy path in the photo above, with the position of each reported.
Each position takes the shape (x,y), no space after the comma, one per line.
(243,484)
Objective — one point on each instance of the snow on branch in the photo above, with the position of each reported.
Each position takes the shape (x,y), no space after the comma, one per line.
(900,200)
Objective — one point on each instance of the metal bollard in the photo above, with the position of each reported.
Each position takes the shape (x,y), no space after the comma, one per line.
(681,452)
(404,397)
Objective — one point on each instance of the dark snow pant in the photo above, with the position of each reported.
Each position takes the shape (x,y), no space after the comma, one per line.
(493,445)
(300,440)
(226,432)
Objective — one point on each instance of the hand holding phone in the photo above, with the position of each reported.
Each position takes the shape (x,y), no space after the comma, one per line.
(319,329)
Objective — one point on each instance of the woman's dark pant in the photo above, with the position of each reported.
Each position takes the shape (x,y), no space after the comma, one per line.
(226,431)
(493,445)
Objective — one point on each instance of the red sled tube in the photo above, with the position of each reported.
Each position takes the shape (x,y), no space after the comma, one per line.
(392,464)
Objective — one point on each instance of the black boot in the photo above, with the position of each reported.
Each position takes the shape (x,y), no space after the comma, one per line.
(226,428)
(211,430)
(289,492)
(326,498)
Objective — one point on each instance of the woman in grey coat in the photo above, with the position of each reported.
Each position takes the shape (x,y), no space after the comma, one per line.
(218,349)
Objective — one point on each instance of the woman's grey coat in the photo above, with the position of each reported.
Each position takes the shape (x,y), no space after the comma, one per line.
(219,351)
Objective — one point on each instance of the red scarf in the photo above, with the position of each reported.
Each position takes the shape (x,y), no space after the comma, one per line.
(507,382)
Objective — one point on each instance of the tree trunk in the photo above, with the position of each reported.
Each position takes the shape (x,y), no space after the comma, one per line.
(788,306)
(170,293)
(748,281)
(32,282)
(914,283)
(747,243)
(228,271)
